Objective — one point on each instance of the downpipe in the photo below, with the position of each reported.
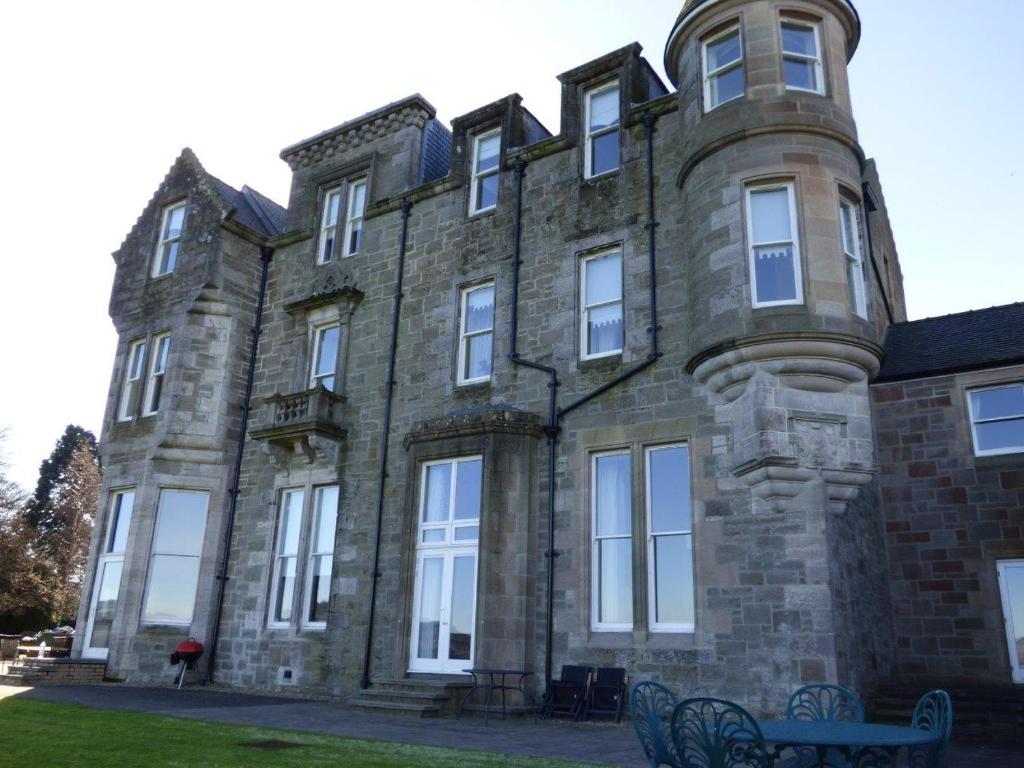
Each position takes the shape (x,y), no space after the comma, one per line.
(384,440)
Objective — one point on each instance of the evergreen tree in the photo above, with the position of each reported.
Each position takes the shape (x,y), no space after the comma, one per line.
(39,509)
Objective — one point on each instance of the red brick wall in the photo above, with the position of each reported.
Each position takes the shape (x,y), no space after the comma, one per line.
(949,517)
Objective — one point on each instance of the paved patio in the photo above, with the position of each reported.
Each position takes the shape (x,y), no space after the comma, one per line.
(599,743)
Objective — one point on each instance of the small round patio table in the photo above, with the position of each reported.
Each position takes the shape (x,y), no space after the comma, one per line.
(847,738)
(490,680)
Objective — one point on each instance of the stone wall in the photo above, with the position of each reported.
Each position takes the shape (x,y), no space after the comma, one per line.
(950,516)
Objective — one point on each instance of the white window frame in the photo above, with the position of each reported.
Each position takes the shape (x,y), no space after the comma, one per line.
(819,69)
(652,609)
(160,354)
(590,135)
(794,228)
(353,217)
(475,176)
(317,331)
(326,226)
(465,336)
(853,258)
(709,75)
(153,553)
(135,364)
(278,557)
(313,553)
(975,421)
(1009,620)
(163,241)
(595,561)
(585,308)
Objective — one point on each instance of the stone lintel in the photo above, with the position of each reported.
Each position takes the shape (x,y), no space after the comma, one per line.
(475,423)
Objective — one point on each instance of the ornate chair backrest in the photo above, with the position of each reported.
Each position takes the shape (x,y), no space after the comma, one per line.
(825,702)
(934,712)
(712,733)
(650,708)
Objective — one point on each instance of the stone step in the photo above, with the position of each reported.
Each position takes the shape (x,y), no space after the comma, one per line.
(439,697)
(422,683)
(412,709)
(17,679)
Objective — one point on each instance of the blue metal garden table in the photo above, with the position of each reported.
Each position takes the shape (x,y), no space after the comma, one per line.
(847,738)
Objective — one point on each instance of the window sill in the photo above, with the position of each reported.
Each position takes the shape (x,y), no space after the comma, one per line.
(598,640)
(603,363)
(1000,460)
(472,388)
(164,626)
(596,179)
(483,213)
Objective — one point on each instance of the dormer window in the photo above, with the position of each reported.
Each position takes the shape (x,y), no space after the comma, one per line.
(602,122)
(724,79)
(170,239)
(483,194)
(801,57)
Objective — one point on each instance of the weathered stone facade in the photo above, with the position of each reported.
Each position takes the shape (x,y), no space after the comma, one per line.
(772,403)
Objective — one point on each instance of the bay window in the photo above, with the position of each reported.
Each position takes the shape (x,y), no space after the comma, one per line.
(612,556)
(774,245)
(724,78)
(157,372)
(175,557)
(801,57)
(849,225)
(286,556)
(321,556)
(129,402)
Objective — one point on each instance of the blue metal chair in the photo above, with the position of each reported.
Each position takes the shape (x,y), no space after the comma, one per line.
(712,733)
(934,712)
(822,702)
(650,708)
(825,702)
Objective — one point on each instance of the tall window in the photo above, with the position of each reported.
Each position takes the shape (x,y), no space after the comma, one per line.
(286,557)
(157,371)
(669,539)
(849,224)
(129,402)
(774,248)
(724,79)
(354,219)
(601,330)
(326,342)
(118,522)
(801,57)
(174,560)
(328,226)
(602,121)
(476,332)
(107,583)
(612,558)
(997,419)
(170,239)
(321,557)
(483,194)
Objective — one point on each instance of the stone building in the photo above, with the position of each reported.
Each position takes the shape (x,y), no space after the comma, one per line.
(498,396)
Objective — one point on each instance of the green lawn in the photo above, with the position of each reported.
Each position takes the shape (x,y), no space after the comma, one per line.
(40,733)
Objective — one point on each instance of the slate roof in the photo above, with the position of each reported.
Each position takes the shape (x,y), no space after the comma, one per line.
(966,341)
(251,209)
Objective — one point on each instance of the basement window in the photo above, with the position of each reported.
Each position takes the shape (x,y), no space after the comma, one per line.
(997,419)
(724,78)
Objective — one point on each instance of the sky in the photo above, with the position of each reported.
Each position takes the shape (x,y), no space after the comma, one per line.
(99,99)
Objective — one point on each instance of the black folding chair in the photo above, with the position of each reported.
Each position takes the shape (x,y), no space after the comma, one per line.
(567,695)
(607,694)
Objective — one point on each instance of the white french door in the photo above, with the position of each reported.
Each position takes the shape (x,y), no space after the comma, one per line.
(108,576)
(1011,586)
(444,603)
